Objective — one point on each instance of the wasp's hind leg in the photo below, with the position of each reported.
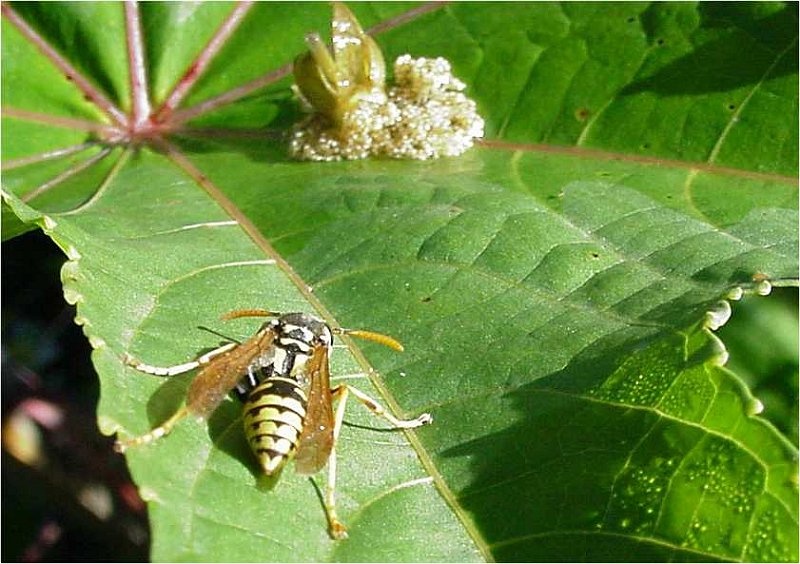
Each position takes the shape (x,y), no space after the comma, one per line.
(157,433)
(337,529)
(178,368)
(339,393)
(166,427)
(380,411)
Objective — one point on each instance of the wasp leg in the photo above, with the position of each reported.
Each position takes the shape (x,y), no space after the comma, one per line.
(178,368)
(380,411)
(166,427)
(337,528)
(340,393)
(157,433)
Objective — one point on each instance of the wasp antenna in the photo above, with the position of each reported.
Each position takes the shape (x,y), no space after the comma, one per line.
(380,338)
(218,334)
(237,313)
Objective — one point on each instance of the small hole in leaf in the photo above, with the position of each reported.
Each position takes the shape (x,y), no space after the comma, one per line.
(582,113)
(426,299)
(595,255)
(731,107)
(631,19)
(659,41)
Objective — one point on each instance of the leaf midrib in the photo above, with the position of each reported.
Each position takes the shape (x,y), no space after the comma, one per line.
(590,153)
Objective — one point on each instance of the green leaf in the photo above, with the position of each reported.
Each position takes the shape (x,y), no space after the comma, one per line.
(555,289)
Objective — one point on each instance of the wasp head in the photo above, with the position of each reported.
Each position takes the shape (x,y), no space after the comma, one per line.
(304,328)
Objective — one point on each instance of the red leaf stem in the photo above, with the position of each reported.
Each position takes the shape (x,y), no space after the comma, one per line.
(71,171)
(87,88)
(203,60)
(140,102)
(182,116)
(9,164)
(101,129)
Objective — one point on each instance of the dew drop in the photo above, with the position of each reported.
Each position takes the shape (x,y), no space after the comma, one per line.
(107,425)
(148,494)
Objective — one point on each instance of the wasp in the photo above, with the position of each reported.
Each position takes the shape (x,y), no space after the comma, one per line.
(282,375)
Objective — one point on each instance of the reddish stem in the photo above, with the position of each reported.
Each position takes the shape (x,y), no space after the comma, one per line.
(203,60)
(9,164)
(72,74)
(228,133)
(405,17)
(628,157)
(71,171)
(230,96)
(62,121)
(140,103)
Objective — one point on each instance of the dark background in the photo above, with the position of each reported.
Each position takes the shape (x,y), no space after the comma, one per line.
(70,498)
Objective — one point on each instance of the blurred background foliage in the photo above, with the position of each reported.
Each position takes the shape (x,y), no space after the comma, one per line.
(762,340)
(66,496)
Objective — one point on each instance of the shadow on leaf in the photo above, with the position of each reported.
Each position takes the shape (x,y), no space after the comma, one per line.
(611,459)
(735,60)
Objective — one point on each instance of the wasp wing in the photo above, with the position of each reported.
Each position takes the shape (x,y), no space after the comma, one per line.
(316,440)
(222,373)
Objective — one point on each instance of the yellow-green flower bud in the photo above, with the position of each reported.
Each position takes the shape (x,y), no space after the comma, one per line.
(332,81)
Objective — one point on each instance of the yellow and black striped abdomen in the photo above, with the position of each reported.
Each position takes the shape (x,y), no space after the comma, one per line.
(273,419)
